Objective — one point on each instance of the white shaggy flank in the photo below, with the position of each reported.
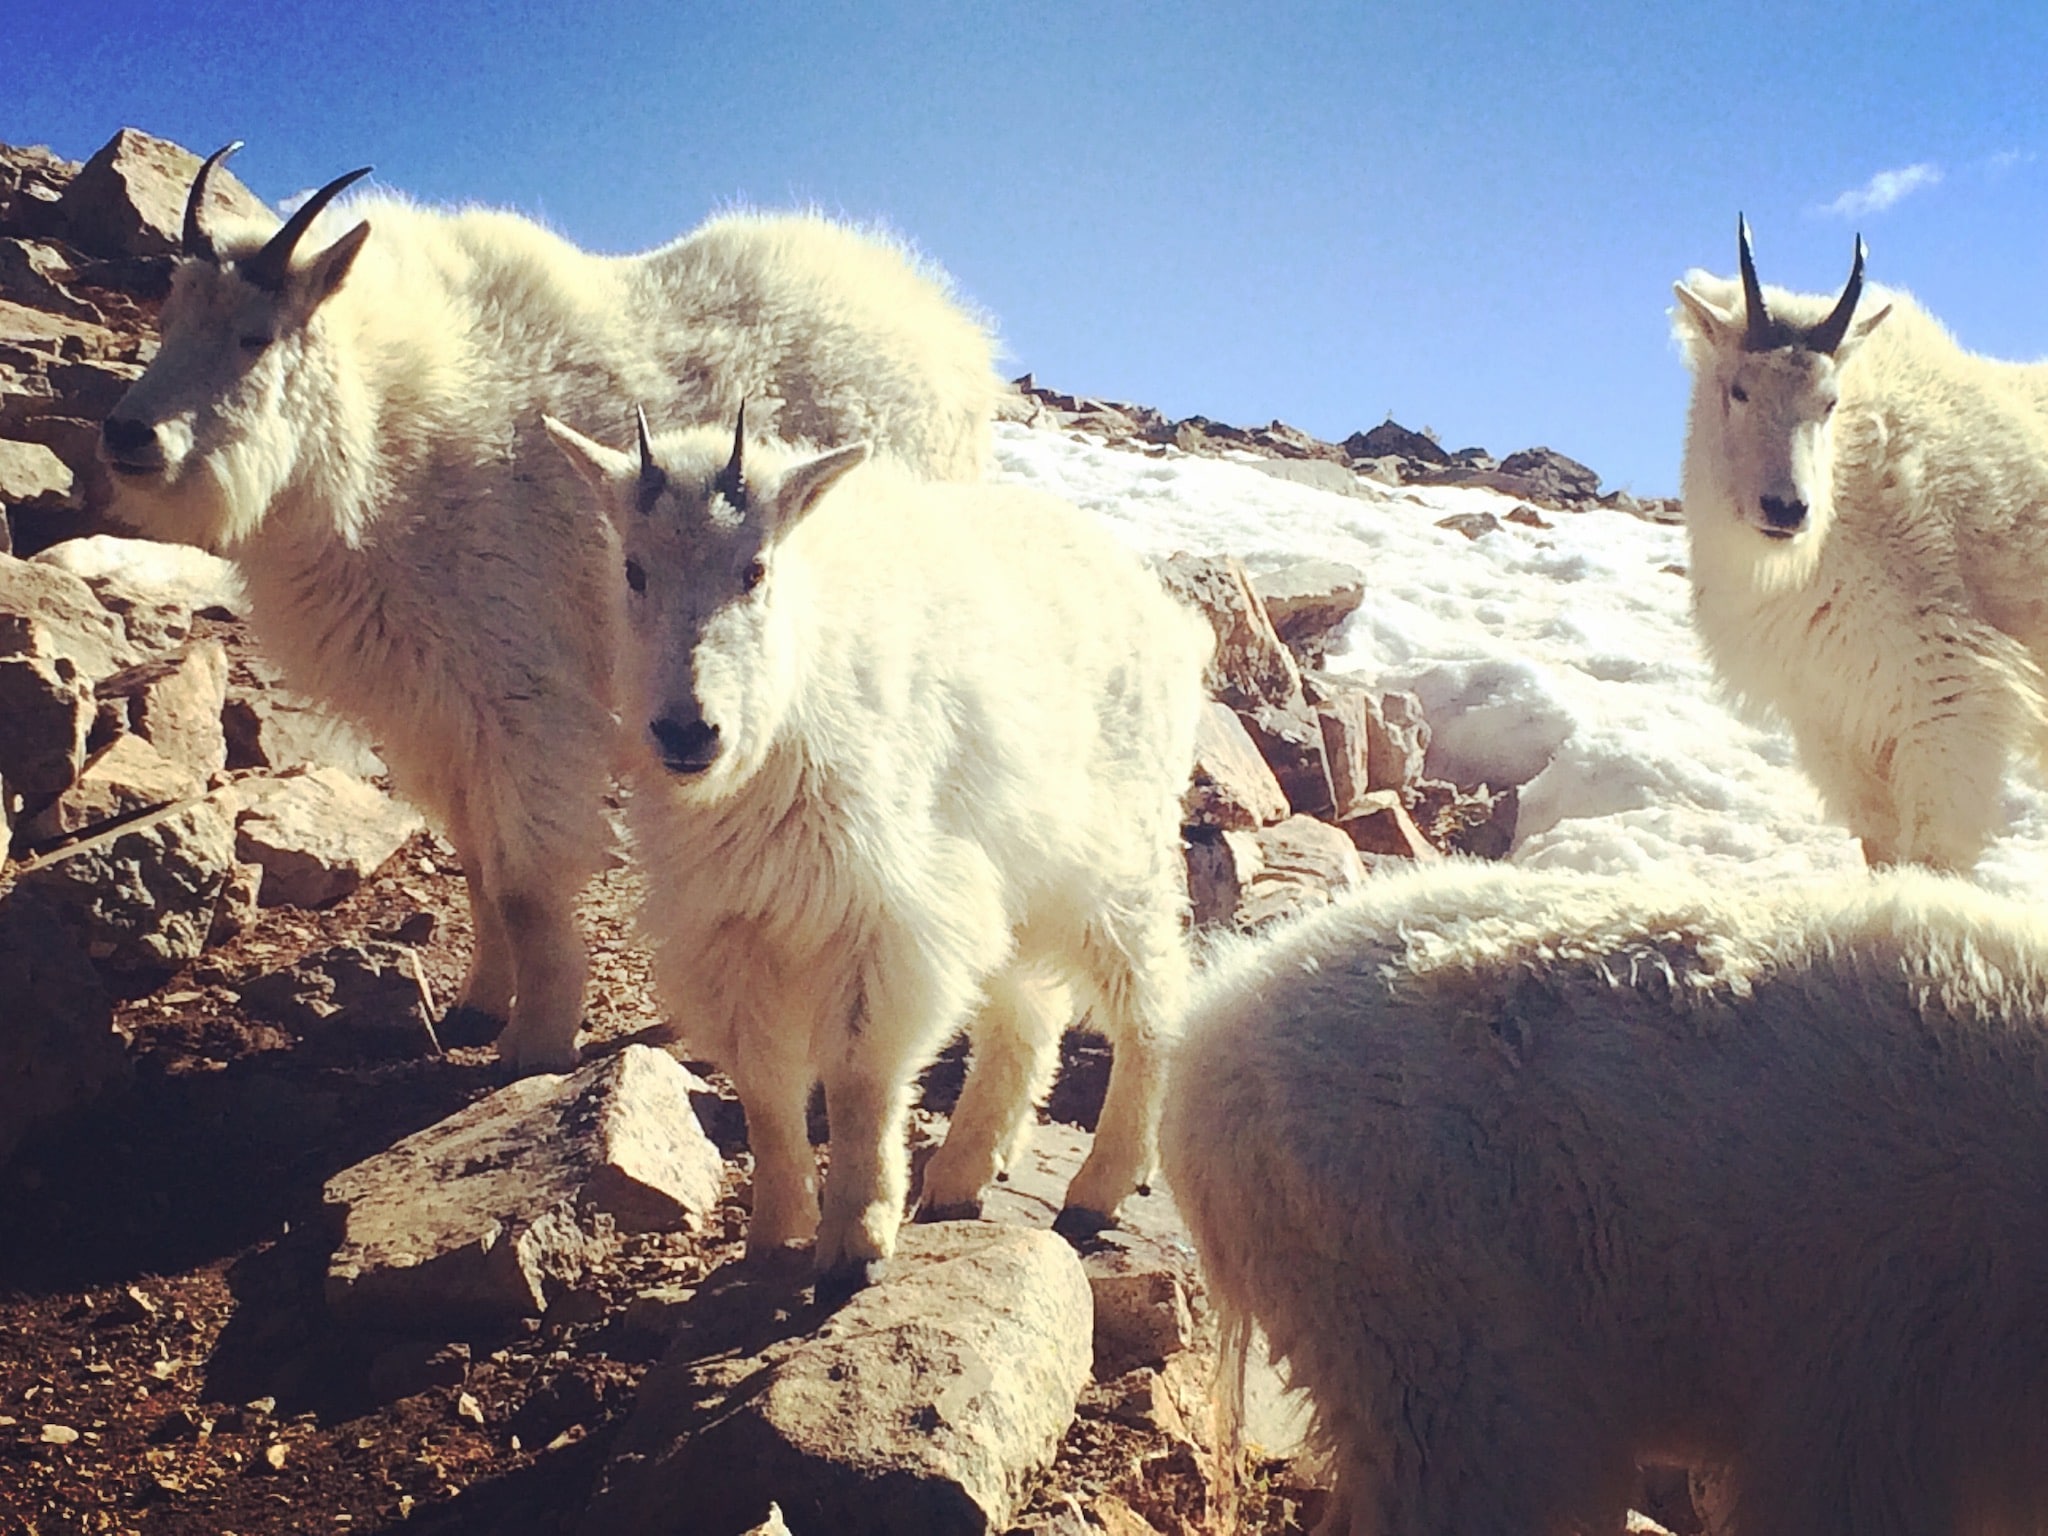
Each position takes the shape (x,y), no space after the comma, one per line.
(1900,628)
(910,757)
(366,443)
(1529,1177)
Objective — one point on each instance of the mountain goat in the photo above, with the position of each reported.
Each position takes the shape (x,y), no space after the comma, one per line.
(360,429)
(1531,1176)
(909,753)
(1868,510)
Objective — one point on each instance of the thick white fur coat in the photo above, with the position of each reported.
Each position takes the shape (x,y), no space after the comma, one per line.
(1530,1176)
(1902,637)
(951,787)
(418,555)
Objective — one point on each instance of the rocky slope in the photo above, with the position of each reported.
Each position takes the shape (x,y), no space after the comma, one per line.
(287,1251)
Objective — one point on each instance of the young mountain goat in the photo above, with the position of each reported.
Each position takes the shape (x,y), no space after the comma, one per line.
(359,428)
(1868,509)
(1529,1177)
(909,752)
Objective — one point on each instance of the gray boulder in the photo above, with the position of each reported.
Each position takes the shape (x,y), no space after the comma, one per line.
(126,777)
(318,833)
(141,895)
(129,198)
(46,714)
(504,1206)
(928,1403)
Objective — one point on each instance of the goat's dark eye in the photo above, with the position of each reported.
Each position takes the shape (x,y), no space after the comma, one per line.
(1738,394)
(757,572)
(1828,409)
(636,577)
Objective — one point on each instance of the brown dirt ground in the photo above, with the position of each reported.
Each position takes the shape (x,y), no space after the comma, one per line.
(167,1364)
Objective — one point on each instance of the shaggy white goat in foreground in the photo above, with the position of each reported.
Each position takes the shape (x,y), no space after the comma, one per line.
(911,755)
(1868,509)
(358,425)
(1530,1177)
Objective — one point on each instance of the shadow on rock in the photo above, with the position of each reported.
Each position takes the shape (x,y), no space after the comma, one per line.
(174,1171)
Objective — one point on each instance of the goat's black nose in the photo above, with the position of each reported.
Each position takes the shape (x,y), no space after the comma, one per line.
(1783,516)
(128,437)
(686,746)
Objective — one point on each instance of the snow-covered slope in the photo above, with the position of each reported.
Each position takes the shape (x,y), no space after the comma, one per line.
(1560,659)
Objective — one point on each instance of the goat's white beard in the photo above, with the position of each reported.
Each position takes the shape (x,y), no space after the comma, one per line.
(247,477)
(1732,545)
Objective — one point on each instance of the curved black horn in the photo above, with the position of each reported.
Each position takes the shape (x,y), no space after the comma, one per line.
(1827,336)
(653,479)
(198,243)
(731,482)
(1758,337)
(268,267)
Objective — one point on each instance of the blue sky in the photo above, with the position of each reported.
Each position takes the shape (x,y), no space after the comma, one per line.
(1469,215)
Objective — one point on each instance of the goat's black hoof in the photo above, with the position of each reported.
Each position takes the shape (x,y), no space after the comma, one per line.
(965,1210)
(468,1026)
(1077,1222)
(843,1281)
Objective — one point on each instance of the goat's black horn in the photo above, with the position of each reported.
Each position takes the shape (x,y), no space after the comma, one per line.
(1758,337)
(1827,336)
(653,480)
(197,242)
(269,266)
(731,482)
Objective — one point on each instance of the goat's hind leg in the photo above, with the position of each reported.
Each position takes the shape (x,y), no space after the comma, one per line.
(1016,1047)
(1141,974)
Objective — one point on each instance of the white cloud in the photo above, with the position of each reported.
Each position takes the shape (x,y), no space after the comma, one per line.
(2006,159)
(1883,190)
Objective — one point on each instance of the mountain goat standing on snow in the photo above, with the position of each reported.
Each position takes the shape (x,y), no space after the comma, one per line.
(360,429)
(1530,1177)
(1868,510)
(909,752)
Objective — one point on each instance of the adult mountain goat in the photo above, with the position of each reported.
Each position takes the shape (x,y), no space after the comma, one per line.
(1531,1176)
(911,755)
(1868,510)
(355,418)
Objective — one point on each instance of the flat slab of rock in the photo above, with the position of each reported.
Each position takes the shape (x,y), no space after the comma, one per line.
(1309,600)
(141,895)
(318,834)
(1246,880)
(174,704)
(1323,474)
(1290,739)
(129,198)
(928,1403)
(1400,741)
(46,714)
(374,990)
(75,624)
(1250,667)
(495,1211)
(1231,785)
(1380,824)
(126,777)
(32,476)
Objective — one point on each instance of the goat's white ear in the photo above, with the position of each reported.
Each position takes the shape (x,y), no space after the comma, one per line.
(803,486)
(331,267)
(600,467)
(1711,323)
(1859,333)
